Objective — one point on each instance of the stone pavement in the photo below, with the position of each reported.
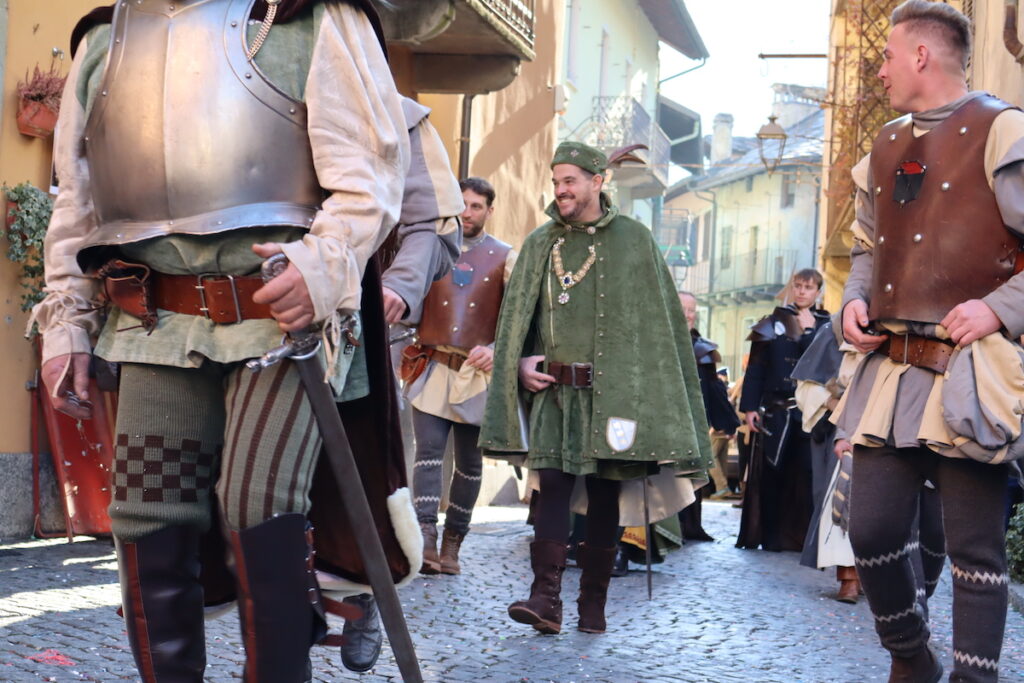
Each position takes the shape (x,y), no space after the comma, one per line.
(719,615)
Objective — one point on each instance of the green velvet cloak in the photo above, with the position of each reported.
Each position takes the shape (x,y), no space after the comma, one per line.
(644,366)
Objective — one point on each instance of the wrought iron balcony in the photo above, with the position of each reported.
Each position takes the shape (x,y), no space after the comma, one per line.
(619,121)
(516,16)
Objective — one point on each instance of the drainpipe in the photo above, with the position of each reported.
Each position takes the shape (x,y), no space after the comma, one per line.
(703,61)
(467,128)
(1010,39)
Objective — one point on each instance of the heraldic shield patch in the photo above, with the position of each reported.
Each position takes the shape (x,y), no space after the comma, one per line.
(621,433)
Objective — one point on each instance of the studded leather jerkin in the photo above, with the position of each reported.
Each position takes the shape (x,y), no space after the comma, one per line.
(948,244)
(186,135)
(462,308)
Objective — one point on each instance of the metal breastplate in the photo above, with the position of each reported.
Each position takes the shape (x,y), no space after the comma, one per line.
(461,308)
(946,242)
(186,135)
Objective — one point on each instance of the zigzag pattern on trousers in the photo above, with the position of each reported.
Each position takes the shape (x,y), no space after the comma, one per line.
(975,661)
(428,463)
(466,476)
(979,577)
(886,618)
(426,499)
(887,557)
(459,508)
(928,551)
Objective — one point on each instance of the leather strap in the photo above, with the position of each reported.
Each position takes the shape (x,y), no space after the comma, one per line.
(922,352)
(224,299)
(452,360)
(575,375)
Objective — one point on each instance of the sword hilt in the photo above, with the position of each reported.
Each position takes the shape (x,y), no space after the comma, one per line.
(297,345)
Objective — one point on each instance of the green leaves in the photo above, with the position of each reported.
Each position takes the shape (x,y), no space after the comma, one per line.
(28,211)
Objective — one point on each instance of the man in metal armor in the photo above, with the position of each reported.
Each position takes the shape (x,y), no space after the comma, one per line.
(198,138)
(456,339)
(935,297)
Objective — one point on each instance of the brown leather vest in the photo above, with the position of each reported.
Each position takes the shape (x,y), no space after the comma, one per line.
(949,243)
(461,308)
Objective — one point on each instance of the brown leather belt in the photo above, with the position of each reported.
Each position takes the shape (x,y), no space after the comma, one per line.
(452,360)
(922,352)
(224,299)
(221,298)
(575,375)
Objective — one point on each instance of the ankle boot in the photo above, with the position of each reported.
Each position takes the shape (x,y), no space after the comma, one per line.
(162,601)
(543,610)
(849,585)
(922,667)
(450,544)
(362,637)
(596,564)
(431,561)
(278,599)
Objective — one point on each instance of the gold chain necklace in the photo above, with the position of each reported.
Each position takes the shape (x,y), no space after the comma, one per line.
(569,279)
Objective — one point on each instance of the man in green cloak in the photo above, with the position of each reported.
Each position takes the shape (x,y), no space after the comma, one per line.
(593,344)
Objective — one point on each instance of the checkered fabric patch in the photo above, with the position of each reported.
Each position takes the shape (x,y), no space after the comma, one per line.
(152,469)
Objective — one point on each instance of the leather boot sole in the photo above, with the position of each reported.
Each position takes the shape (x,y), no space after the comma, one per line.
(587,629)
(430,567)
(448,569)
(525,615)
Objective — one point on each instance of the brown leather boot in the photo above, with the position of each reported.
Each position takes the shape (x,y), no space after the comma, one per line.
(596,564)
(849,585)
(922,667)
(162,601)
(431,561)
(543,610)
(450,544)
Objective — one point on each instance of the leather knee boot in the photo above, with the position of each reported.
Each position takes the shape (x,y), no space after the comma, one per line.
(849,585)
(543,609)
(596,564)
(922,667)
(162,601)
(278,599)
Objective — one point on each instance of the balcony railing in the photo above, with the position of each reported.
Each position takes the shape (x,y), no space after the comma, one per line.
(517,15)
(762,272)
(620,121)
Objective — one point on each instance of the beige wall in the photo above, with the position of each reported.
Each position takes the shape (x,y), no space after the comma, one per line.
(993,68)
(514,132)
(34,28)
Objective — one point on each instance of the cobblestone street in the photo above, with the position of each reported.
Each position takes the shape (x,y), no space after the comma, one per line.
(719,614)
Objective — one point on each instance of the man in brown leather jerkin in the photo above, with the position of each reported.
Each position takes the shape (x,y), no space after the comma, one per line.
(935,294)
(456,341)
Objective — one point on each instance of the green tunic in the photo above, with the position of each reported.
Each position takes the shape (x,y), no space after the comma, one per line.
(625,318)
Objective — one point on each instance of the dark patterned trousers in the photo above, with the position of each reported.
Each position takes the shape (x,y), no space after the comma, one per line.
(431,439)
(884,502)
(183,432)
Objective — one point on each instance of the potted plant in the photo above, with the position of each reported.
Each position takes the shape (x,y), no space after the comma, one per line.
(39,102)
(28,215)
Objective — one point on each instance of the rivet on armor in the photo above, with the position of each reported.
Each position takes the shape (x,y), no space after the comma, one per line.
(918,237)
(599,393)
(291,110)
(117,41)
(689,451)
(892,137)
(455,329)
(248,75)
(444,303)
(104,93)
(600,353)
(600,334)
(472,305)
(888,288)
(234,24)
(600,373)
(490,251)
(170,222)
(487,279)
(945,187)
(881,240)
(601,295)
(963,131)
(878,190)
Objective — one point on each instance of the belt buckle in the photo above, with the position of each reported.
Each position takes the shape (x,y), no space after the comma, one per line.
(590,375)
(204,306)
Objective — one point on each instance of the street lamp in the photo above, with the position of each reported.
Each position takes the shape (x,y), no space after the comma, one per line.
(771,154)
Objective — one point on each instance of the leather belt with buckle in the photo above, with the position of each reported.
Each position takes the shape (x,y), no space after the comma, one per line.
(922,352)
(575,375)
(452,360)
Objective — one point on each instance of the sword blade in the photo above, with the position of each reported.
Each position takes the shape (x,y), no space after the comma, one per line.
(357,508)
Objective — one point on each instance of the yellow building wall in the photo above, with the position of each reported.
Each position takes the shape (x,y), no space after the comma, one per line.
(34,28)
(514,132)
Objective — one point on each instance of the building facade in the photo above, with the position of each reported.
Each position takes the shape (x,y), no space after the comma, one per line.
(734,235)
